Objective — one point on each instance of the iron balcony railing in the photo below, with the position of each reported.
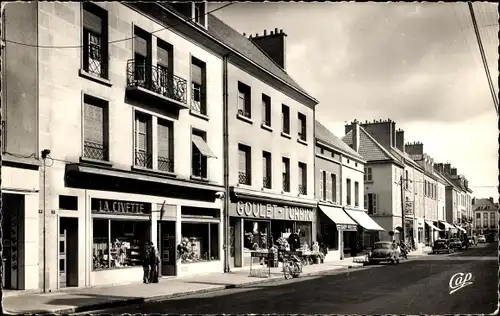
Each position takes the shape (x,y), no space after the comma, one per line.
(96,64)
(244,178)
(286,185)
(165,164)
(95,151)
(266,182)
(156,79)
(197,102)
(302,189)
(199,172)
(143,159)
(244,113)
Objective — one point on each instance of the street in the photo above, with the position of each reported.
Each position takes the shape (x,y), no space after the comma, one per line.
(417,286)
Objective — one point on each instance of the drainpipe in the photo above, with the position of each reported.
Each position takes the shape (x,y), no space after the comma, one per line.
(341,185)
(225,133)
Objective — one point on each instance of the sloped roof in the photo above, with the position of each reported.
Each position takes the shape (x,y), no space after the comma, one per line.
(484,204)
(229,36)
(323,134)
(369,148)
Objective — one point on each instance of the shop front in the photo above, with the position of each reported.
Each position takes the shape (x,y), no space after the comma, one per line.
(258,226)
(448,229)
(367,232)
(433,231)
(335,227)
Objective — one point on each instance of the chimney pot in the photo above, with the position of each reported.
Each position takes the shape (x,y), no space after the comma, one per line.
(271,33)
(281,31)
(245,34)
(256,34)
(265,32)
(250,36)
(276,30)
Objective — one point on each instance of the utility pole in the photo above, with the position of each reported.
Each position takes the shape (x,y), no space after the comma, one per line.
(403,215)
(483,57)
(2,5)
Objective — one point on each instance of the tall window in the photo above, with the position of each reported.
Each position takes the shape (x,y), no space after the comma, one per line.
(200,153)
(485,220)
(368,174)
(322,185)
(266,110)
(245,170)
(266,170)
(142,58)
(143,146)
(165,139)
(95,40)
(371,203)
(164,61)
(285,119)
(348,191)
(425,187)
(198,89)
(356,193)
(286,174)
(244,100)
(334,187)
(492,219)
(95,129)
(302,127)
(302,178)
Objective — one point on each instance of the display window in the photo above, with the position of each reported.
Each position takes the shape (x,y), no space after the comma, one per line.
(199,242)
(256,235)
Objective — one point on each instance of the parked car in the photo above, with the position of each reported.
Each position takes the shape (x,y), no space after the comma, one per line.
(441,245)
(481,239)
(383,251)
(455,243)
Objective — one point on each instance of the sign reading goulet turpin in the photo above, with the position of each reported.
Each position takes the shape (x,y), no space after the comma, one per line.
(120,207)
(271,211)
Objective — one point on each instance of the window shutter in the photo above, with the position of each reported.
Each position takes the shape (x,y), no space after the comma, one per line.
(242,161)
(321,184)
(93,123)
(162,56)
(196,74)
(374,202)
(328,188)
(141,134)
(92,22)
(163,140)
(334,187)
(141,46)
(365,204)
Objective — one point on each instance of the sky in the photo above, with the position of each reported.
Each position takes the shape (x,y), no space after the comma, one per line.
(415,63)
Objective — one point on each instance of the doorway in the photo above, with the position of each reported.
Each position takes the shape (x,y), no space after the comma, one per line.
(231,242)
(68,252)
(13,241)
(167,248)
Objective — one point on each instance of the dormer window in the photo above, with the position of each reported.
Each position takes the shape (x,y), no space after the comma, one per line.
(199,14)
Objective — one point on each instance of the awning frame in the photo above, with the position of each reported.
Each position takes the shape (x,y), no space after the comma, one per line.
(339,217)
(447,225)
(202,146)
(361,214)
(431,225)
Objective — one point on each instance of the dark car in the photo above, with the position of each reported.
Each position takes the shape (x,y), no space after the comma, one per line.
(441,245)
(383,251)
(456,243)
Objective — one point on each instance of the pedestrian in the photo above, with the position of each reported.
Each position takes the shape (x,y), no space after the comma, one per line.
(154,262)
(146,263)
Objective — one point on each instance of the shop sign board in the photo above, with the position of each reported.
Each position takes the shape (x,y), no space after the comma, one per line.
(271,211)
(119,207)
(346,227)
(409,208)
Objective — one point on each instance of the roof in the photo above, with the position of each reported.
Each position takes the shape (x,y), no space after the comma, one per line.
(324,135)
(403,156)
(232,38)
(369,148)
(484,204)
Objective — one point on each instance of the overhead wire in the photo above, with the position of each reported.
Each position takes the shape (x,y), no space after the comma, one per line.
(114,41)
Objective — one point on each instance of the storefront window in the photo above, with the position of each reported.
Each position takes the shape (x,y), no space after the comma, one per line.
(281,229)
(304,231)
(124,249)
(200,242)
(256,235)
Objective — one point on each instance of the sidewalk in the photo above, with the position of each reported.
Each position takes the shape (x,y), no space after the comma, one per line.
(87,299)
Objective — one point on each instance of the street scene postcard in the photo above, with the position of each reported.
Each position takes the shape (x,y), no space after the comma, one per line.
(194,157)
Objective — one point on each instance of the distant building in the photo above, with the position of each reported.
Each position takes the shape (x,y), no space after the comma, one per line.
(485,218)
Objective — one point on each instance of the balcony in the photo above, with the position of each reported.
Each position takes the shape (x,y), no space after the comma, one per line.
(244,178)
(95,151)
(266,182)
(156,85)
(143,160)
(165,164)
(302,189)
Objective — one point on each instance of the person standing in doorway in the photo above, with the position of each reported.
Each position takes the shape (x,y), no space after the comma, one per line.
(146,263)
(154,262)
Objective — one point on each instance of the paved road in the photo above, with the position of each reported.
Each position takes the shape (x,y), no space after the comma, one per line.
(416,286)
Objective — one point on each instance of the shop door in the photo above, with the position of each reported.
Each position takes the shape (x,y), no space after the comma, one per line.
(68,252)
(62,257)
(231,242)
(167,248)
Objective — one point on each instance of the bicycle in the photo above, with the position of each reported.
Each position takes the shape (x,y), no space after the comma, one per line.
(292,266)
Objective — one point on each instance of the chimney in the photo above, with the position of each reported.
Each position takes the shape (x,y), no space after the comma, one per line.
(491,200)
(355,136)
(447,168)
(400,140)
(453,171)
(382,131)
(274,45)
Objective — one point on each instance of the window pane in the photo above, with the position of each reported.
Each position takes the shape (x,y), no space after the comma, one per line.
(93,123)
(197,244)
(128,240)
(257,235)
(100,251)
(163,139)
(242,161)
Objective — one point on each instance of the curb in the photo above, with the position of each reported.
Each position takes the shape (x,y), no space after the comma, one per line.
(142,300)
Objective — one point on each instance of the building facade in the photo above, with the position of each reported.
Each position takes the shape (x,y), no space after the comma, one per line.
(343,223)
(485,218)
(270,147)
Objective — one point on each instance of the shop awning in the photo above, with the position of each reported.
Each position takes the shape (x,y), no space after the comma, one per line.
(447,226)
(460,228)
(338,216)
(363,220)
(431,225)
(203,147)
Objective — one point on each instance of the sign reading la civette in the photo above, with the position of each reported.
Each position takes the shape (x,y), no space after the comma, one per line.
(271,211)
(120,207)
